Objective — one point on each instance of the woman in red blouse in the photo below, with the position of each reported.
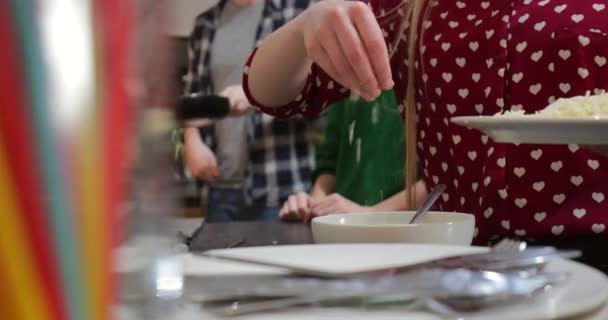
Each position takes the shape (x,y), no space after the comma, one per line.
(456,58)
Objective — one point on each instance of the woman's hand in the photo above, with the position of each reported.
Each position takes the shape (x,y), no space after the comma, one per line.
(239,105)
(345,40)
(199,159)
(333,204)
(297,207)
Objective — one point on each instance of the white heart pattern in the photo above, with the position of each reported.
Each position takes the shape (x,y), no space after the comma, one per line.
(579,213)
(540,26)
(456,139)
(517,77)
(598,228)
(593,164)
(598,197)
(584,41)
(501,162)
(534,89)
(461,170)
(557,230)
(474,46)
(463,93)
(503,193)
(560,9)
(488,213)
(472,155)
(500,102)
(521,202)
(536,154)
(451,108)
(538,186)
(599,7)
(576,180)
(506,224)
(559,198)
(564,54)
(519,171)
(461,62)
(578,17)
(540,216)
(520,232)
(536,55)
(521,46)
(600,61)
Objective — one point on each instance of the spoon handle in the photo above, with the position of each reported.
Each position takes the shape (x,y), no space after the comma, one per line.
(428,202)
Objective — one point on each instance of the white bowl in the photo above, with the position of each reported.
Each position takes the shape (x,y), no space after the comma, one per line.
(371,227)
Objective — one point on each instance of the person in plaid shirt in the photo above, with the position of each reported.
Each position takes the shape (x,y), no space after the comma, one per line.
(251,161)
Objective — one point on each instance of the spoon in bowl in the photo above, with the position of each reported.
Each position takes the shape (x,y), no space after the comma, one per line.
(428,203)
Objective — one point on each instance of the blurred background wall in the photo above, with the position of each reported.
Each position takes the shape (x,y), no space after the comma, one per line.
(184,13)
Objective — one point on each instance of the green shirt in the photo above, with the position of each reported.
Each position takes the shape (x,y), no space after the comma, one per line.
(364,148)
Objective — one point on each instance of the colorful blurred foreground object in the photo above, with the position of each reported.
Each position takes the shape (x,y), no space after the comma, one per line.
(64,129)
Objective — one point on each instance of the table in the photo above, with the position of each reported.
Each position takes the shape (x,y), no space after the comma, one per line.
(224,235)
(244,234)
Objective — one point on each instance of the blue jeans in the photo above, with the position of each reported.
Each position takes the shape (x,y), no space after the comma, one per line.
(225,205)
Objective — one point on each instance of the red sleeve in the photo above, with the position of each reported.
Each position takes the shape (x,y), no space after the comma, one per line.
(319,92)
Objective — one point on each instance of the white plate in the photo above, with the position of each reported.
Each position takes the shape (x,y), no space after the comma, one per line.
(528,129)
(585,291)
(339,259)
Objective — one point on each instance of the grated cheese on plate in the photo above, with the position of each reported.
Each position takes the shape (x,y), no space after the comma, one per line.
(575,107)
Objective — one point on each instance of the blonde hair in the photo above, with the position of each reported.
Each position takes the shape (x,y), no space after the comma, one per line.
(412,13)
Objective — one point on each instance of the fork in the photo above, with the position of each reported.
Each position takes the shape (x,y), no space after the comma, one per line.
(456,290)
(509,245)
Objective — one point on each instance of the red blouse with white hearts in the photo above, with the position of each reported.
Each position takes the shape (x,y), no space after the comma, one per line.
(482,57)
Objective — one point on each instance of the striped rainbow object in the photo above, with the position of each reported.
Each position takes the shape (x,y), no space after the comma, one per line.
(64,124)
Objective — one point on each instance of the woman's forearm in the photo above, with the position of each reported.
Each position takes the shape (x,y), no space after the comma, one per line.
(324,186)
(279,69)
(398,201)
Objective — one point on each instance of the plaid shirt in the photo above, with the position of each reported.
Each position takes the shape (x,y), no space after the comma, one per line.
(281,153)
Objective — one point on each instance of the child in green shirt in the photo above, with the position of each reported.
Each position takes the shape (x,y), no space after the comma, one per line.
(360,163)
